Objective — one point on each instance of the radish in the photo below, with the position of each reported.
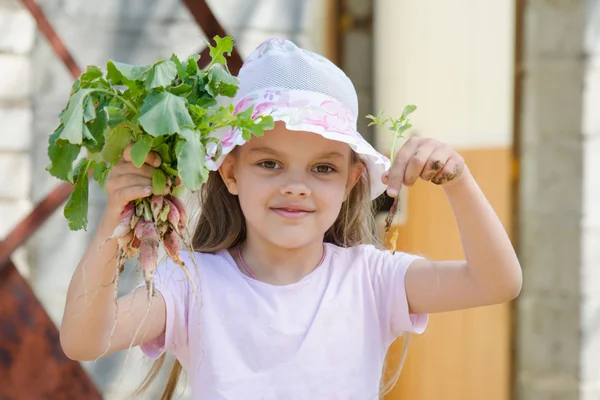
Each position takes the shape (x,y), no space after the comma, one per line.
(174,217)
(148,254)
(156,204)
(183,216)
(124,226)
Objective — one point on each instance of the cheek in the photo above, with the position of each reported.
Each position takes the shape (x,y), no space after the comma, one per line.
(253,191)
(331,194)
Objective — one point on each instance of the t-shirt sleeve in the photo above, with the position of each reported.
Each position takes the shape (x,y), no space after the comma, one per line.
(387,273)
(170,282)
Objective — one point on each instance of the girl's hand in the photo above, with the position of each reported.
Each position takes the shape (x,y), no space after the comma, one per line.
(425,158)
(126,182)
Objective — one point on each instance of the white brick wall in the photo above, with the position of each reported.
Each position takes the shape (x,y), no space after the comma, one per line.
(15,179)
(15,128)
(17,31)
(11,212)
(15,78)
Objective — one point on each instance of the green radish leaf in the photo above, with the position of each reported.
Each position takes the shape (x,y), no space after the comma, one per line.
(161,74)
(116,116)
(101,172)
(164,153)
(164,114)
(117,140)
(89,112)
(260,125)
(181,72)
(91,74)
(97,128)
(76,209)
(191,160)
(178,190)
(222,46)
(122,74)
(62,155)
(158,140)
(73,118)
(192,65)
(205,102)
(140,150)
(183,88)
(221,82)
(159,182)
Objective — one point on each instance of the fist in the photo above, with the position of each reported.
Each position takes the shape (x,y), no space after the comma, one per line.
(126,182)
(423,158)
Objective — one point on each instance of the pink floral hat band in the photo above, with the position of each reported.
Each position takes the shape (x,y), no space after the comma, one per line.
(309,111)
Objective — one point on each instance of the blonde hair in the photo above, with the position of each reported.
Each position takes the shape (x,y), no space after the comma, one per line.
(217,230)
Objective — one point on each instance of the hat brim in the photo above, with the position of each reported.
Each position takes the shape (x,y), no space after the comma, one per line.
(316,113)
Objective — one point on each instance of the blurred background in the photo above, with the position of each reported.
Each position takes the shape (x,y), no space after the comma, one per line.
(514,86)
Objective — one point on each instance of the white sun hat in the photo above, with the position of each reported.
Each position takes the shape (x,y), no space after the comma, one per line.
(307,92)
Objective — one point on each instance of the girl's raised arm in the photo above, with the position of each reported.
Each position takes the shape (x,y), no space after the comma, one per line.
(491,273)
(91,312)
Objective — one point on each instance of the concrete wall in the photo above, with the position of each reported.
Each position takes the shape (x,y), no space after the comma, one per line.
(34,87)
(558,329)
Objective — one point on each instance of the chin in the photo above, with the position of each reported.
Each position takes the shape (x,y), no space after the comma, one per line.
(290,239)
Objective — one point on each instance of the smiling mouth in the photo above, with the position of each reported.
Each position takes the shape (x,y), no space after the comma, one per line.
(291,213)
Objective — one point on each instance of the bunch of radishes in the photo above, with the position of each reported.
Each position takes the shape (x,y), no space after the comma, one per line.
(145,223)
(169,108)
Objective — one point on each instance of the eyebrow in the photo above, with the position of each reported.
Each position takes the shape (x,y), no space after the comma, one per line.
(329,154)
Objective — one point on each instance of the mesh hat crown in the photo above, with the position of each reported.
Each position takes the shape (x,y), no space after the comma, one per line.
(279,63)
(307,92)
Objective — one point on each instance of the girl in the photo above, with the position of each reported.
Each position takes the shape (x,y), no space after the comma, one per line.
(294,301)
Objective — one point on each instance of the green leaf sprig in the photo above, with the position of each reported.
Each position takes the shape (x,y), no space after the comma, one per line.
(397,126)
(169,107)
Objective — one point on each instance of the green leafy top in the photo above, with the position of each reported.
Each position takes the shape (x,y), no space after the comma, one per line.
(169,107)
(398,126)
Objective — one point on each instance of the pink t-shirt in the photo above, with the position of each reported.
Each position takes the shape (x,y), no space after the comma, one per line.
(324,337)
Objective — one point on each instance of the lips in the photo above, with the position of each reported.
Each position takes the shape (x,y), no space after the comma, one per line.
(292,211)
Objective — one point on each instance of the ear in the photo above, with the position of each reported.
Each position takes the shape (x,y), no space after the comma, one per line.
(227,172)
(354,175)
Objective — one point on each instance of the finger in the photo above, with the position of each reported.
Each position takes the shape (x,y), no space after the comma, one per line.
(127,153)
(396,173)
(451,170)
(131,180)
(437,161)
(385,178)
(145,170)
(418,162)
(129,193)
(152,159)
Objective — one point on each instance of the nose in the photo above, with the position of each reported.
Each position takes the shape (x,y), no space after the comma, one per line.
(294,184)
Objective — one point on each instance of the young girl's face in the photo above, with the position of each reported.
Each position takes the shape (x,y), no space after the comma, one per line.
(290,184)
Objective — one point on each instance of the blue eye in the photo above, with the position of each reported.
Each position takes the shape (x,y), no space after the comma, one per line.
(323,169)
